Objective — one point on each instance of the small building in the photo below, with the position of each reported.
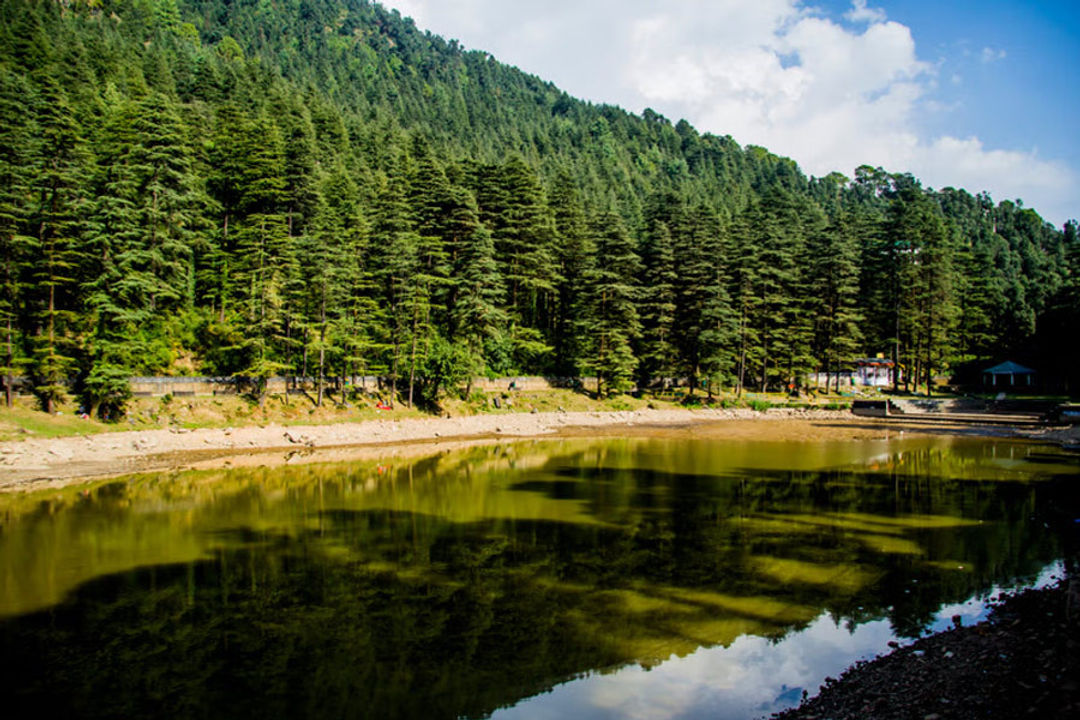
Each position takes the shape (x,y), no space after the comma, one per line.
(1009,374)
(874,372)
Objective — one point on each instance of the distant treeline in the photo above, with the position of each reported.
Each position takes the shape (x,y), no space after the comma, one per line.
(315,187)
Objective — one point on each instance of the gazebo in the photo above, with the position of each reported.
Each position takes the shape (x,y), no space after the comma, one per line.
(1009,374)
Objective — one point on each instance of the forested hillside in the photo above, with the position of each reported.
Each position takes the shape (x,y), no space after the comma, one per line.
(316,188)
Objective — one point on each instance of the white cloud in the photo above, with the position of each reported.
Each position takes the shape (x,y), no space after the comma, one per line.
(752,677)
(1049,186)
(860,13)
(776,73)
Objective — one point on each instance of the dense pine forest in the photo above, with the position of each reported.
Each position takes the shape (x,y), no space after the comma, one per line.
(315,188)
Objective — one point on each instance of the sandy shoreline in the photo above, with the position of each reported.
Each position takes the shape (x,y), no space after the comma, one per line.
(35,462)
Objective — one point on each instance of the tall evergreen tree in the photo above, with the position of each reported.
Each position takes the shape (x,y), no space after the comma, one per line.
(833,286)
(60,170)
(745,297)
(936,296)
(921,281)
(478,312)
(702,300)
(524,237)
(266,258)
(659,282)
(17,141)
(395,261)
(719,326)
(159,268)
(575,254)
(611,323)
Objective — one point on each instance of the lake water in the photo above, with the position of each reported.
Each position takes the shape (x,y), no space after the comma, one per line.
(670,574)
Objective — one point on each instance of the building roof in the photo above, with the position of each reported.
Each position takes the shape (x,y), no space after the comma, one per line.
(1009,368)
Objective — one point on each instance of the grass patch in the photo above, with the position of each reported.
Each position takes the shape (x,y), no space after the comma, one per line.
(25,421)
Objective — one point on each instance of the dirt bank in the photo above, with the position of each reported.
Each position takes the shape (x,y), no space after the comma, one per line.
(57,461)
(38,460)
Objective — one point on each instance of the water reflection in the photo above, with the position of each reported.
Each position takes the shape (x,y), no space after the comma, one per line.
(464,582)
(752,677)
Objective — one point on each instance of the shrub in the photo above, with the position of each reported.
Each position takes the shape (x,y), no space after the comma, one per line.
(106,390)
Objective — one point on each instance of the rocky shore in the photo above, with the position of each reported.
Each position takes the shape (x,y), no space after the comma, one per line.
(1023,662)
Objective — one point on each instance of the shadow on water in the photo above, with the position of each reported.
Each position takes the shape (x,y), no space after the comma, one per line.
(464,584)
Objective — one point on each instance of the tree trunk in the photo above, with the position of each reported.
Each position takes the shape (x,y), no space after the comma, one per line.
(742,357)
(9,379)
(412,353)
(394,375)
(322,349)
(896,350)
(52,339)
(304,358)
(929,346)
(224,270)
(322,366)
(292,356)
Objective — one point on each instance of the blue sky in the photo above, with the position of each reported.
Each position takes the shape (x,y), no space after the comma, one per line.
(980,95)
(1026,93)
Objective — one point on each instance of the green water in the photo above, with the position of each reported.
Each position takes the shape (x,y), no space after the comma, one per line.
(470,581)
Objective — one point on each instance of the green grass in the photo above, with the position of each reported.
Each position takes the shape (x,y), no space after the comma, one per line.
(23,422)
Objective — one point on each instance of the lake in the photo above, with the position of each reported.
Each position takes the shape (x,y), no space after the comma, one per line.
(667,573)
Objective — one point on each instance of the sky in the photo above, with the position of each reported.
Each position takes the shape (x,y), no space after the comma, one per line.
(978,94)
